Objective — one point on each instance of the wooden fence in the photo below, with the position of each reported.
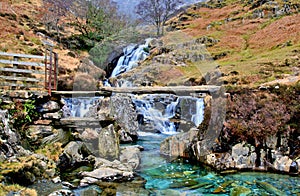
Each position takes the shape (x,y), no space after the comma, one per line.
(28,72)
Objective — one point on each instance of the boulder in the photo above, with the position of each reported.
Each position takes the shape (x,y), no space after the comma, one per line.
(283,164)
(122,110)
(131,156)
(104,110)
(105,174)
(75,154)
(242,156)
(84,82)
(108,143)
(36,133)
(90,137)
(88,67)
(124,137)
(179,145)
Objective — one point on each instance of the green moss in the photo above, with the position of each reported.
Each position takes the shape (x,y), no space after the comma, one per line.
(23,191)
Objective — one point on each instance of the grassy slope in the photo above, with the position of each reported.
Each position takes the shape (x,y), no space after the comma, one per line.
(18,19)
(257,50)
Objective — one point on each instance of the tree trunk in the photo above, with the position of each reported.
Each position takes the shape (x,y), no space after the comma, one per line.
(158,30)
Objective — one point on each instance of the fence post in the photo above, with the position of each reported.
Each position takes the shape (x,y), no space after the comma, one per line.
(46,63)
(15,66)
(55,70)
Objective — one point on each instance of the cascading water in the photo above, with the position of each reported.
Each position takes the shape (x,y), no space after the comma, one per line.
(197,118)
(159,113)
(132,55)
(79,106)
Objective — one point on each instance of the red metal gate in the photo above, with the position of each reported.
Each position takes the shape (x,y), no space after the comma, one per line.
(51,70)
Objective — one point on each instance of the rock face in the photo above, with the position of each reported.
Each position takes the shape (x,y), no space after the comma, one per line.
(36,133)
(243,156)
(9,141)
(123,112)
(179,145)
(109,143)
(75,154)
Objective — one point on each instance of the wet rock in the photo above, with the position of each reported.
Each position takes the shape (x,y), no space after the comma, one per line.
(131,156)
(122,110)
(221,188)
(283,164)
(88,191)
(64,192)
(56,180)
(178,145)
(124,137)
(168,192)
(105,174)
(9,142)
(270,188)
(294,167)
(240,191)
(108,143)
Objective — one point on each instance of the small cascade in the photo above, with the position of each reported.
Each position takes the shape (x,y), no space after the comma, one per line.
(164,113)
(197,118)
(132,55)
(79,106)
(157,119)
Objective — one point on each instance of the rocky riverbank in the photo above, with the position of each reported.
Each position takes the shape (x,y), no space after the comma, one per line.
(260,133)
(39,141)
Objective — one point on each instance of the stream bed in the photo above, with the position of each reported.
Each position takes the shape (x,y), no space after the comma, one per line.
(179,177)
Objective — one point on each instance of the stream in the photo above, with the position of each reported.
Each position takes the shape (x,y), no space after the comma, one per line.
(160,116)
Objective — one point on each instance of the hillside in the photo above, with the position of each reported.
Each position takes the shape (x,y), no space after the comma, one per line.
(22,24)
(253,44)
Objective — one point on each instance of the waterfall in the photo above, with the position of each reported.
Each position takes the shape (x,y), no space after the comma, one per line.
(197,118)
(164,113)
(158,119)
(132,55)
(79,106)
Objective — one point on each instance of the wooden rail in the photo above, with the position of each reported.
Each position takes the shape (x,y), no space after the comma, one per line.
(29,71)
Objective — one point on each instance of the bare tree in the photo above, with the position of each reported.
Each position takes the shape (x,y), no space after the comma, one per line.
(157,12)
(54,10)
